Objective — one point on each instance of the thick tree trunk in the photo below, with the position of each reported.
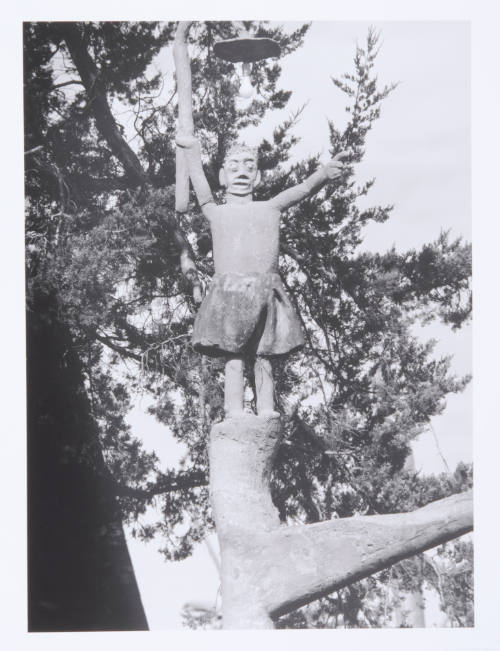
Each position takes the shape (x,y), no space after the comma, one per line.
(80,577)
(241,455)
(270,569)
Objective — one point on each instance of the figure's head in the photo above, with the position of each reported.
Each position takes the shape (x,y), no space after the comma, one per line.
(239,173)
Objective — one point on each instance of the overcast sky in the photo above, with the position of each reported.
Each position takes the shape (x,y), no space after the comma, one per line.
(419,153)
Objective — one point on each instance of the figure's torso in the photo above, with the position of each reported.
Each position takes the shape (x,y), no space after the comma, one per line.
(245,237)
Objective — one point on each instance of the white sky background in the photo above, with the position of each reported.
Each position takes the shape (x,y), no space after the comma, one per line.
(483,15)
(419,153)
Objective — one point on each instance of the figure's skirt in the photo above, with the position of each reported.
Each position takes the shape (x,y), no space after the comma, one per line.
(247,314)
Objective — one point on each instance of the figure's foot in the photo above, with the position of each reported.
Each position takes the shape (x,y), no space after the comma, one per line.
(240,413)
(268,413)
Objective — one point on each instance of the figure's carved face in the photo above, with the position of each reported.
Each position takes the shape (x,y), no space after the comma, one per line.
(240,174)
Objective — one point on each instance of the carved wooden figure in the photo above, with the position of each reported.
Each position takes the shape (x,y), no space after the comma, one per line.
(247,313)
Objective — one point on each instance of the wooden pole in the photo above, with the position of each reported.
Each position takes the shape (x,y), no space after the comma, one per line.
(185,108)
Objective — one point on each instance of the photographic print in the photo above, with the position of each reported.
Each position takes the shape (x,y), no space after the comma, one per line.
(248,304)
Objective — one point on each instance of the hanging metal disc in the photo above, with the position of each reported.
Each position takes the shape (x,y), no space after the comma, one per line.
(247,49)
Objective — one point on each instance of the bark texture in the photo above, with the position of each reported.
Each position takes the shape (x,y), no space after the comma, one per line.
(269,569)
(241,456)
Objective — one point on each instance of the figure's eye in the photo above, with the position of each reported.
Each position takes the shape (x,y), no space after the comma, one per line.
(232,167)
(250,166)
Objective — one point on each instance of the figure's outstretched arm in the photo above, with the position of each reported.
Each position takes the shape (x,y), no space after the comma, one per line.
(191,149)
(332,170)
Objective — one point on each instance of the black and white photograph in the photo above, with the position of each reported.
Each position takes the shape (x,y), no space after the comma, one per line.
(248,256)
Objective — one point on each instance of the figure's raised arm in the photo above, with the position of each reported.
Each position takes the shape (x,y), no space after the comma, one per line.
(192,153)
(332,170)
(188,163)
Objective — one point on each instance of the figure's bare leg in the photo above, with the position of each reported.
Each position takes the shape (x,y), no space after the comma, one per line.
(233,386)
(264,385)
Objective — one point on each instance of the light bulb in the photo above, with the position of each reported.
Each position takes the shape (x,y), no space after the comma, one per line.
(246,89)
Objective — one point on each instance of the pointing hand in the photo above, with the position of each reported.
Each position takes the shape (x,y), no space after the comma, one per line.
(335,167)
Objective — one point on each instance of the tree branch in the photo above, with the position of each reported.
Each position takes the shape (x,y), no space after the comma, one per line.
(307,562)
(96,93)
(67,83)
(121,350)
(34,150)
(183,481)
